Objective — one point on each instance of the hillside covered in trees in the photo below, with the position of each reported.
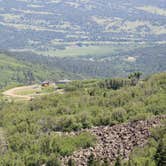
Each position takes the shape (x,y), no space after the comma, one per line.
(15,72)
(147,60)
(51,128)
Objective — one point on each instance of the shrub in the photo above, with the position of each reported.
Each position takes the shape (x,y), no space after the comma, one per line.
(119,115)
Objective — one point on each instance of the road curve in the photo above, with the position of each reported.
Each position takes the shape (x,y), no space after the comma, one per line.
(12,93)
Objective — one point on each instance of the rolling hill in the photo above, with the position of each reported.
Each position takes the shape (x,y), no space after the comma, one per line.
(93,121)
(14,71)
(147,60)
(60,28)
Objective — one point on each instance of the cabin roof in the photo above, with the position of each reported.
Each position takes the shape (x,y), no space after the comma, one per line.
(45,82)
(64,80)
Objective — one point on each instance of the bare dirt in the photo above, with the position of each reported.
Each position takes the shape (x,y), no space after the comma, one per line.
(14,92)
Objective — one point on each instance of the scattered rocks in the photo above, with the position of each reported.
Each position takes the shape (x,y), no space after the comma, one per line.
(116,139)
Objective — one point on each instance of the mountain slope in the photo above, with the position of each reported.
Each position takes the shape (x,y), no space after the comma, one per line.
(146,60)
(14,71)
(114,110)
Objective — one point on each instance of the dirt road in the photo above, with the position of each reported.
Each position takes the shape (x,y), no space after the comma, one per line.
(13,93)
(26,93)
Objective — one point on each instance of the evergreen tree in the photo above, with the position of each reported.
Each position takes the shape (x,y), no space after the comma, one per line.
(160,156)
(91,160)
(106,162)
(135,77)
(118,162)
(71,162)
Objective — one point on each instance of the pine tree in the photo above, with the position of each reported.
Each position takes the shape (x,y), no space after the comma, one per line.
(71,162)
(118,162)
(106,162)
(160,156)
(90,160)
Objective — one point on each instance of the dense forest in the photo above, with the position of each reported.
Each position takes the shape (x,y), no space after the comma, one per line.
(40,131)
(147,60)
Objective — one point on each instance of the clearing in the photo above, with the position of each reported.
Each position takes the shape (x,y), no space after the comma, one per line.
(26,93)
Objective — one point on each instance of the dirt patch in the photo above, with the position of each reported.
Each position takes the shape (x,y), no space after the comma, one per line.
(27,93)
(13,93)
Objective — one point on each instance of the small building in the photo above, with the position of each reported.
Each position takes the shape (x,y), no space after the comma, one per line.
(62,82)
(45,83)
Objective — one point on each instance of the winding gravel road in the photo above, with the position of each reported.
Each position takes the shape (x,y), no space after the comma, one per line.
(13,92)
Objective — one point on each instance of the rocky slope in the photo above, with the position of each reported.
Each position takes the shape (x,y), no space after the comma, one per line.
(116,139)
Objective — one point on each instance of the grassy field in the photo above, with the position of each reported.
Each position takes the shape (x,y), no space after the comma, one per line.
(91,50)
(35,90)
(28,91)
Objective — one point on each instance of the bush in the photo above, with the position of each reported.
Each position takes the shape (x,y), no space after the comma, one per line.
(70,143)
(119,115)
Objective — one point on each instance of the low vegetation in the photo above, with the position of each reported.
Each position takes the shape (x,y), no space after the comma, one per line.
(153,154)
(34,130)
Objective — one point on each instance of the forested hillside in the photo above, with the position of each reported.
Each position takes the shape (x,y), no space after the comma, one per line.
(91,38)
(14,72)
(38,132)
(147,60)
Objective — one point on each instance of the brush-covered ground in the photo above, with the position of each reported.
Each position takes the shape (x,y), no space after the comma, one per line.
(36,131)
